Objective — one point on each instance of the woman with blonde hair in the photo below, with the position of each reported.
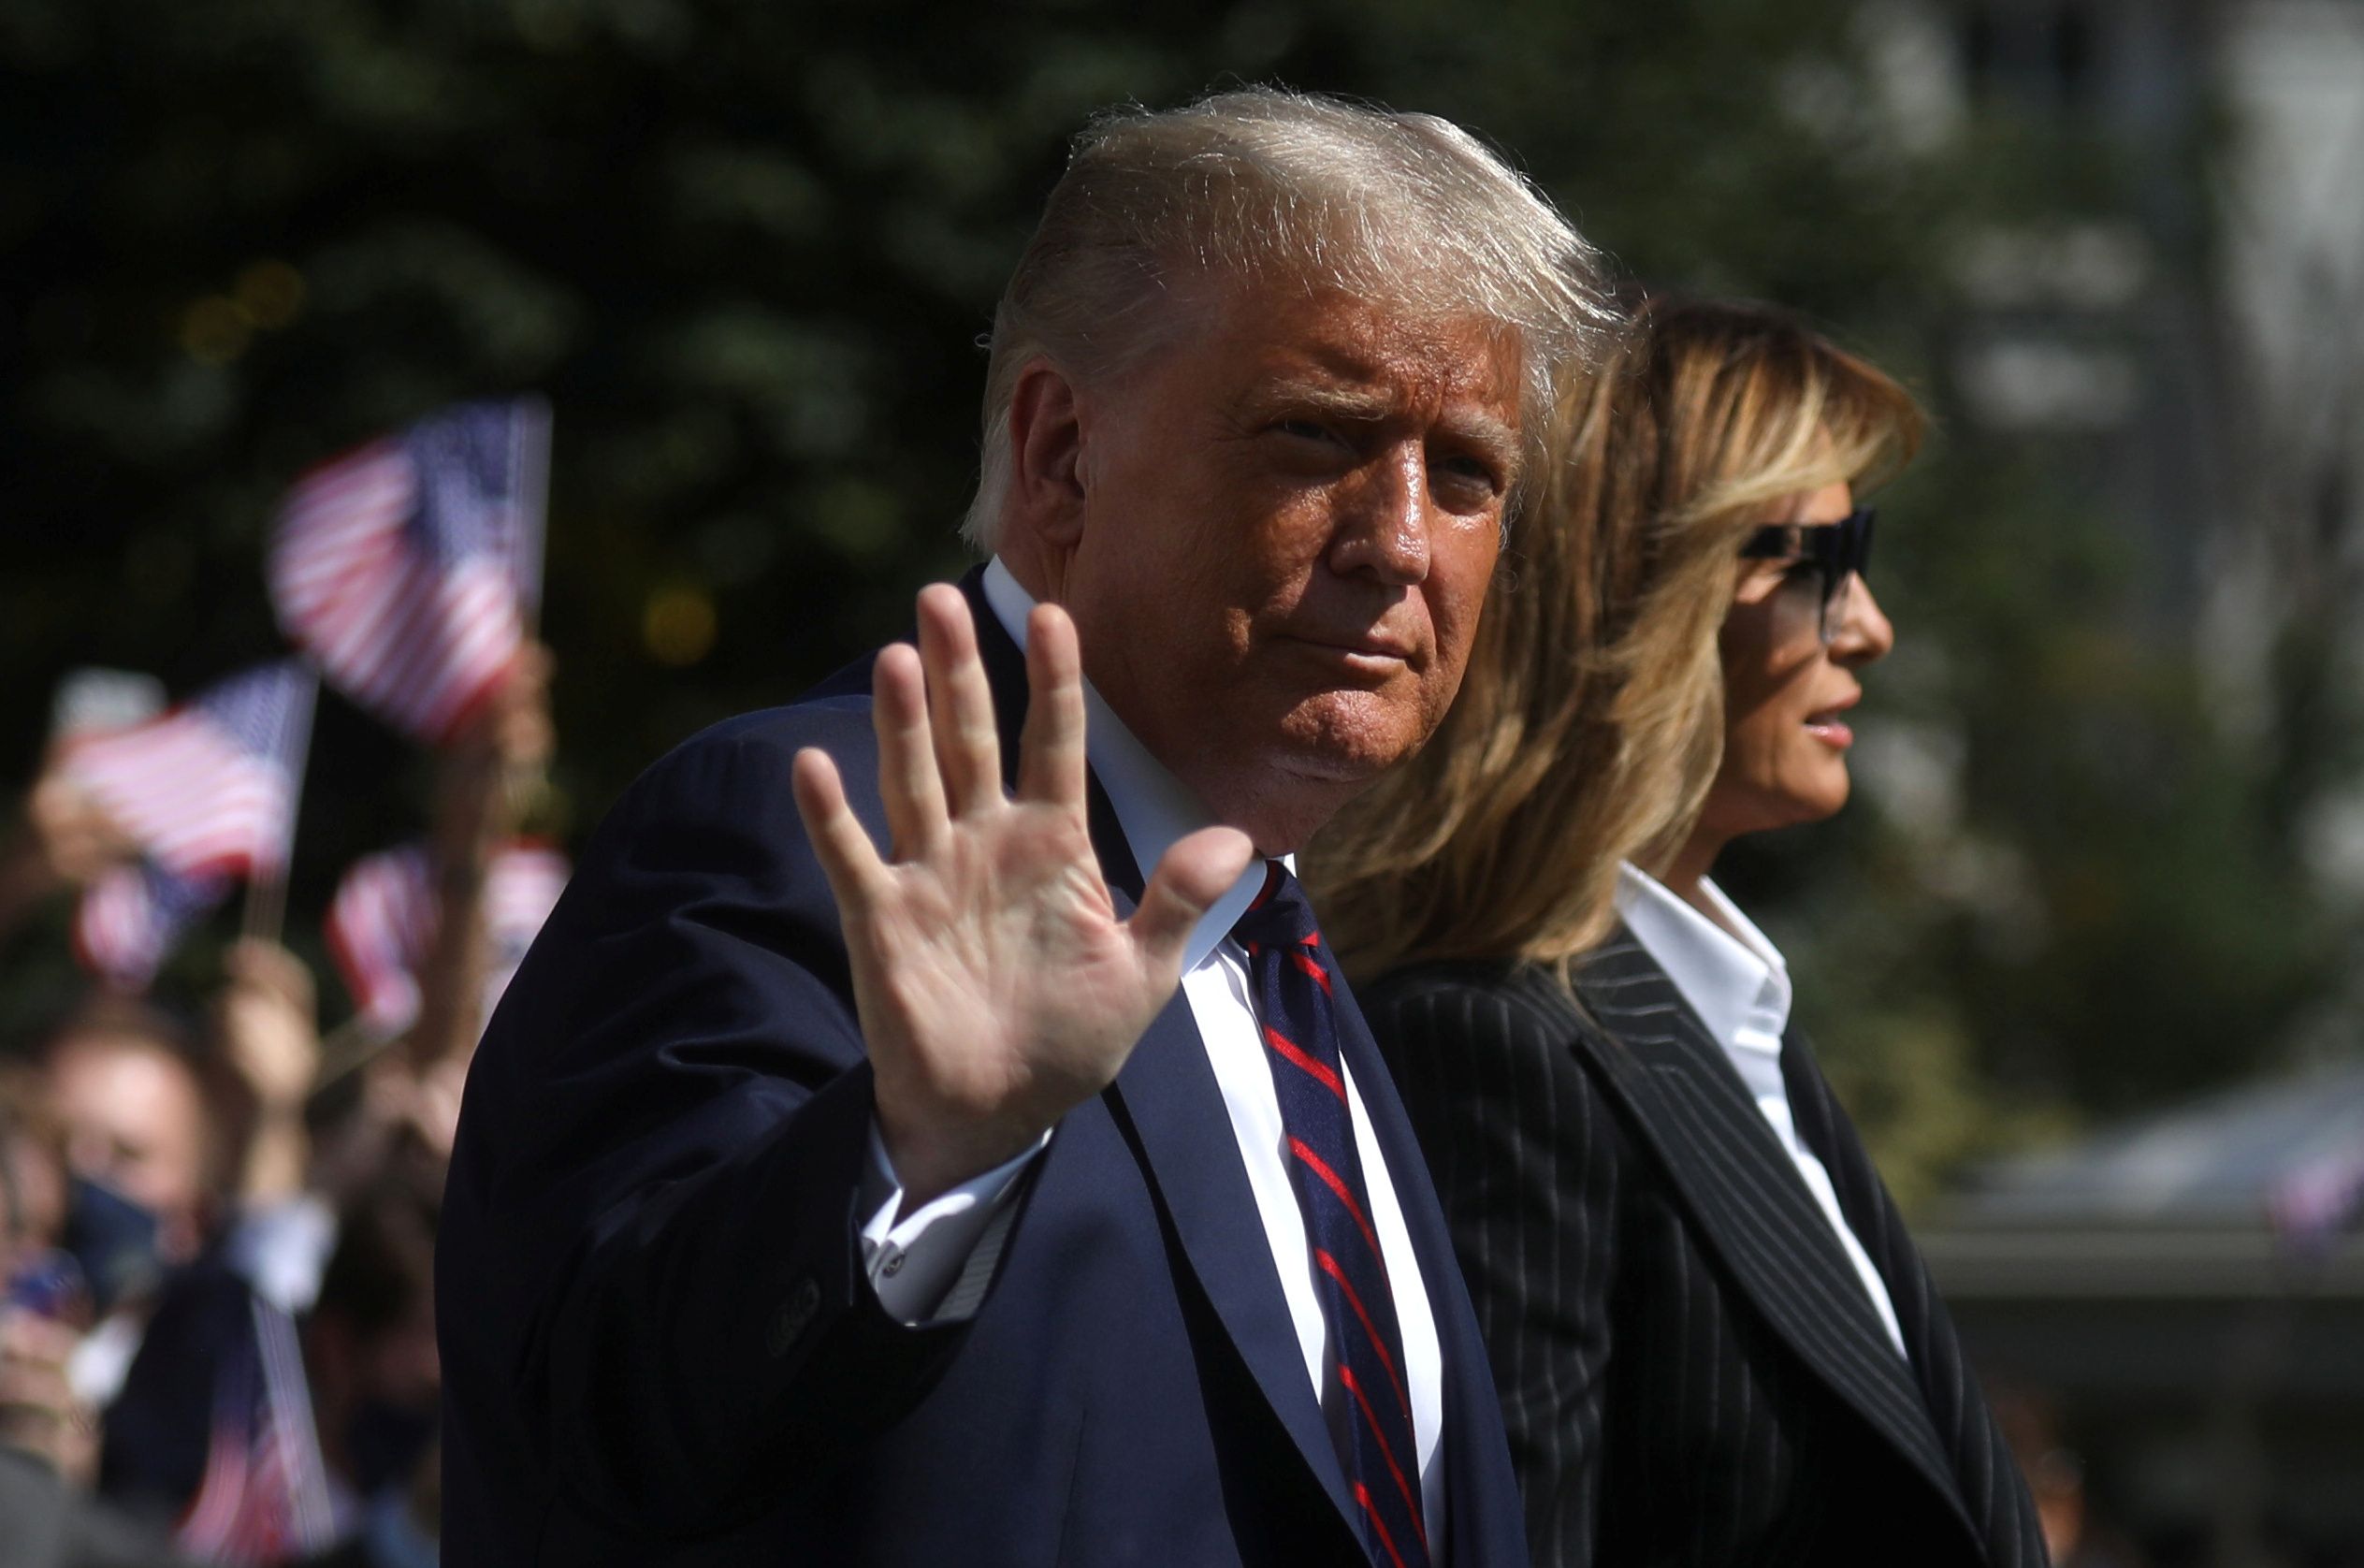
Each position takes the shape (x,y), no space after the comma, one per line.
(1714,1341)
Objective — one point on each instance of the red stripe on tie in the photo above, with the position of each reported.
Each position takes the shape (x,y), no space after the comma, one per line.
(1329,1266)
(1288,1047)
(1314,1163)
(1306,961)
(1362,1495)
(1354,1387)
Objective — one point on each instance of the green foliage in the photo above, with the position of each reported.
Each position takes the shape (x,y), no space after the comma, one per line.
(747,249)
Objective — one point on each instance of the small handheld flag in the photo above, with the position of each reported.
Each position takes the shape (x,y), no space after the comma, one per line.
(382,922)
(209,792)
(132,917)
(210,787)
(408,568)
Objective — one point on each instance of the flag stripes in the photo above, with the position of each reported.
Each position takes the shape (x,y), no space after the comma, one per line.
(382,922)
(264,1497)
(405,566)
(208,789)
(209,793)
(132,917)
(380,925)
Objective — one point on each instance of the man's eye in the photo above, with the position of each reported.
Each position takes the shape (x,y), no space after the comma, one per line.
(1306,429)
(1472,470)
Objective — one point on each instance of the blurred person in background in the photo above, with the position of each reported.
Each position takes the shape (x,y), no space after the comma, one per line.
(1714,1341)
(47,1434)
(62,840)
(47,1306)
(375,1377)
(264,1026)
(211,1139)
(267,1440)
(487,786)
(356,1170)
(195,1183)
(153,1134)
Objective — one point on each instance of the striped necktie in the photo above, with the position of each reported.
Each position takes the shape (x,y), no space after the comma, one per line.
(1350,1277)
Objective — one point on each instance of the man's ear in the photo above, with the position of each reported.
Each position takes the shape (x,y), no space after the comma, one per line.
(1046,450)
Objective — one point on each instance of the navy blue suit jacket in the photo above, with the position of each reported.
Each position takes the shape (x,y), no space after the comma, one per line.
(658,1342)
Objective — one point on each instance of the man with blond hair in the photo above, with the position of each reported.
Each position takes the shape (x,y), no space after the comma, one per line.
(931,1130)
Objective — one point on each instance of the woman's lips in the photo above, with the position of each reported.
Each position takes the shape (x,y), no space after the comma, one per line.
(1831,728)
(1831,733)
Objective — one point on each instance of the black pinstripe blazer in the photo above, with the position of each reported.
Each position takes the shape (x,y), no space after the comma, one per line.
(1690,1371)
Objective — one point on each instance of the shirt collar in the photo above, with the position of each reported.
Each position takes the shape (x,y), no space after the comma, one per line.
(1728,970)
(1153,807)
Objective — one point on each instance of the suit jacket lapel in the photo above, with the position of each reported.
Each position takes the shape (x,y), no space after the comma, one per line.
(1746,1193)
(1480,1487)
(1810,1107)
(1984,1469)
(1169,1104)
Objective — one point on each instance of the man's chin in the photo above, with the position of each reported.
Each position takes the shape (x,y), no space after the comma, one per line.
(1288,793)
(1346,739)
(1294,770)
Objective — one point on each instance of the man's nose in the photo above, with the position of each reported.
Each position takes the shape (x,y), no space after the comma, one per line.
(1386,519)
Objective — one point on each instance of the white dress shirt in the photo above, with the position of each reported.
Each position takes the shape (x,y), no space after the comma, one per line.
(1736,980)
(914,1259)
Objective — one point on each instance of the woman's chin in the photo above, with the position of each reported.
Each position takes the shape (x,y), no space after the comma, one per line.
(1817,796)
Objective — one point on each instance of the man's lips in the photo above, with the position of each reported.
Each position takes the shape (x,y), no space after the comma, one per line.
(1370,648)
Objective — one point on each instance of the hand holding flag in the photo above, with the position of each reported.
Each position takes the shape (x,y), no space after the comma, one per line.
(207,794)
(208,789)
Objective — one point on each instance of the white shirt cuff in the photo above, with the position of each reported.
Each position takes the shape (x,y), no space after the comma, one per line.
(914,1259)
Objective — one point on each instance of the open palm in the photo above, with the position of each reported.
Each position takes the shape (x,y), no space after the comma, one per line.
(997,987)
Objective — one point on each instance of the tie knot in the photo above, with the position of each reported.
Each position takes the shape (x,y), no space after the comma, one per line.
(1280,917)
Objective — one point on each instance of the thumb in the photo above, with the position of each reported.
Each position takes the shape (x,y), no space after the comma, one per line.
(1194,872)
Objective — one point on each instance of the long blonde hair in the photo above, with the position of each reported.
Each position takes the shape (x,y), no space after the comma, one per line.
(1589,724)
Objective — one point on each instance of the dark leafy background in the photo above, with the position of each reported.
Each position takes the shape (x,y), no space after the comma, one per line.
(747,248)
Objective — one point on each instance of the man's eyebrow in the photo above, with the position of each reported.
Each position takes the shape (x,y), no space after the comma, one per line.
(1483,432)
(1359,405)
(1494,438)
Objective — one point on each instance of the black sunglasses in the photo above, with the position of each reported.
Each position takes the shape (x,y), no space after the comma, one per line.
(1839,552)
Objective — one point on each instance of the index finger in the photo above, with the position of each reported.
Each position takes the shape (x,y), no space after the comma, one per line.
(1052,755)
(848,858)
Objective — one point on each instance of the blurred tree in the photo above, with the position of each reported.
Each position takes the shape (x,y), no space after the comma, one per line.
(746,248)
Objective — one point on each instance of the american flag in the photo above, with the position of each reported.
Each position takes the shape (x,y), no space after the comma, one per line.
(264,1497)
(131,918)
(210,789)
(408,566)
(382,922)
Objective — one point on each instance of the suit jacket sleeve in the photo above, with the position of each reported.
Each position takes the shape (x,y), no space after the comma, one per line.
(1524,1154)
(664,1134)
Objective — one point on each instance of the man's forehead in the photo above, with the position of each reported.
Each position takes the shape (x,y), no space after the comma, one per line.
(1347,337)
(1359,357)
